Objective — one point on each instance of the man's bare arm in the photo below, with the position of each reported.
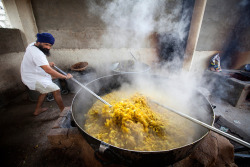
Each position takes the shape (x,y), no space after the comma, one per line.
(54,73)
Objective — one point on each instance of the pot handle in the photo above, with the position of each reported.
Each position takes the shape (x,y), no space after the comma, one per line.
(110,154)
(101,160)
(100,152)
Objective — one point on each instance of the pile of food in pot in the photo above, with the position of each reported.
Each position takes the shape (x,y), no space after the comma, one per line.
(135,123)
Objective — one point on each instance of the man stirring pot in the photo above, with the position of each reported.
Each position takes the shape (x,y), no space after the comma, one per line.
(37,74)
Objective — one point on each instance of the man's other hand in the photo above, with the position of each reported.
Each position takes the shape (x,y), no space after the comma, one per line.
(69,76)
(51,64)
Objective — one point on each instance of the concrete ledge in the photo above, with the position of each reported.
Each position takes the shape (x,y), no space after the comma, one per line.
(65,112)
(74,133)
(57,136)
(64,119)
(224,86)
(62,134)
(58,123)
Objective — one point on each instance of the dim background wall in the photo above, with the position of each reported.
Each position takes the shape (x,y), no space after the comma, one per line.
(10,41)
(221,19)
(75,25)
(11,52)
(78,32)
(69,21)
(75,28)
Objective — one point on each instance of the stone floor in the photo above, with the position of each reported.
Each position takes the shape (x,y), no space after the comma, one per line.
(23,137)
(239,117)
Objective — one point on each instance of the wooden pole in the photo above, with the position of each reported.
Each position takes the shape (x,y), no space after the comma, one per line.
(197,17)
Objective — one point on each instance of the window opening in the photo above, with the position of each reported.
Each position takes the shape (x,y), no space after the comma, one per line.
(4,19)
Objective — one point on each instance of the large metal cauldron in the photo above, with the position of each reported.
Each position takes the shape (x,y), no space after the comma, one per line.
(83,101)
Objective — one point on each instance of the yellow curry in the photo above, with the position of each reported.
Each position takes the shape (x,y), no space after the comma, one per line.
(135,124)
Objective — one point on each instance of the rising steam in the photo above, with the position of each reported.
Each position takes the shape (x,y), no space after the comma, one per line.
(130,23)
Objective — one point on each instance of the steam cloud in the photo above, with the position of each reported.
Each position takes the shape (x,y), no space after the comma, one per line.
(130,23)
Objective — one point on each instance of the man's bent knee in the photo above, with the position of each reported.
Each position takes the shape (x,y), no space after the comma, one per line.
(57,91)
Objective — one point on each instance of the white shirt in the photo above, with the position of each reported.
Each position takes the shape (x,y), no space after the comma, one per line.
(31,70)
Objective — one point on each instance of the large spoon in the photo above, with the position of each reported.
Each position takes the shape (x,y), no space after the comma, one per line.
(242,142)
(90,91)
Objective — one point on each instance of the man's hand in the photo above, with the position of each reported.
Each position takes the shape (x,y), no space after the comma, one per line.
(51,64)
(68,76)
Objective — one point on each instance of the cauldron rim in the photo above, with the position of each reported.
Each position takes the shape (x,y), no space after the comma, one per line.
(113,68)
(195,141)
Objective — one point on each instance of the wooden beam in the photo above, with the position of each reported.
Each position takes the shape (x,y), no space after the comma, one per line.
(197,17)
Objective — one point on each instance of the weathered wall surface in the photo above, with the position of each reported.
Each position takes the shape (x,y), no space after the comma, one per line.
(64,15)
(21,17)
(220,20)
(75,30)
(201,60)
(80,24)
(78,34)
(79,31)
(225,28)
(74,27)
(242,59)
(100,59)
(69,21)
(10,83)
(11,51)
(10,41)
